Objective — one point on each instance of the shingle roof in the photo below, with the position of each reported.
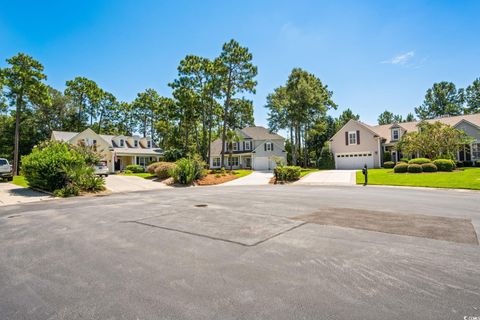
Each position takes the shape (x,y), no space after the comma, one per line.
(384,130)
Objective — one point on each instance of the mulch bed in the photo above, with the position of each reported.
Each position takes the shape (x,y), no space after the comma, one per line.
(213,179)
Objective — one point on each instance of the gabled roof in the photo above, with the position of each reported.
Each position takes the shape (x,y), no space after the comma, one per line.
(385,130)
(366,126)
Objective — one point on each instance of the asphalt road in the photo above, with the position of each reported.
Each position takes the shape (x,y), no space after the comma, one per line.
(163,254)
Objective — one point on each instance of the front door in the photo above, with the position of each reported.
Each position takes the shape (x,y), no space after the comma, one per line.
(248,162)
(117,165)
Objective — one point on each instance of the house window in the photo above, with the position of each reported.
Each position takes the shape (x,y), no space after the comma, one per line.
(269,146)
(352,137)
(395,134)
(233,161)
(135,143)
(248,145)
(476,150)
(122,143)
(235,146)
(94,142)
(216,162)
(149,144)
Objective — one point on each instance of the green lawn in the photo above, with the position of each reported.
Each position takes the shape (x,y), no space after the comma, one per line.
(468,178)
(304,172)
(144,175)
(20,181)
(242,172)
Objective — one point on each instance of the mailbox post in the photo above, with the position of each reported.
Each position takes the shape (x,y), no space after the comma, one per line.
(365,173)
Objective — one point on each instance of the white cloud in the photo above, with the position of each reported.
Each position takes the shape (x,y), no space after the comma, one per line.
(401,59)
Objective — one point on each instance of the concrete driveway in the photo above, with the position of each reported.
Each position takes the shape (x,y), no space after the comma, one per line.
(119,183)
(329,177)
(255,178)
(13,194)
(248,254)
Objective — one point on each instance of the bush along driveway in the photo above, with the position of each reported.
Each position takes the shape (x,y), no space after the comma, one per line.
(465,178)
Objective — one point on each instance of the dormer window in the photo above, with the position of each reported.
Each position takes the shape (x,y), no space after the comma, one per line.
(135,143)
(395,134)
(122,143)
(149,144)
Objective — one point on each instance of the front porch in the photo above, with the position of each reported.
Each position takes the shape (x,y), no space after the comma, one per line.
(120,162)
(236,161)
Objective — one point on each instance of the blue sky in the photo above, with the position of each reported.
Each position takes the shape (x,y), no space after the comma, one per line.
(372,54)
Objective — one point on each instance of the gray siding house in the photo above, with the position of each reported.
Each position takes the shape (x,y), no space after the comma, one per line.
(357,144)
(257,149)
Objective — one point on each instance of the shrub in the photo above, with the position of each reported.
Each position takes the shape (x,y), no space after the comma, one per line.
(400,168)
(467,163)
(414,168)
(387,156)
(163,169)
(444,165)
(173,154)
(326,160)
(429,167)
(388,164)
(477,163)
(135,168)
(404,160)
(287,173)
(459,164)
(419,161)
(152,166)
(62,168)
(188,170)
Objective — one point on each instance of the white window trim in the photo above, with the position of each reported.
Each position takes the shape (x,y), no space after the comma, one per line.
(235,146)
(248,145)
(216,162)
(269,146)
(350,135)
(234,160)
(393,134)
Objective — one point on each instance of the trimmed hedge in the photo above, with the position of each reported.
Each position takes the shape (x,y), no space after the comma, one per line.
(135,168)
(444,165)
(419,161)
(388,164)
(287,173)
(152,166)
(429,167)
(459,164)
(468,163)
(414,168)
(163,170)
(477,163)
(404,160)
(400,168)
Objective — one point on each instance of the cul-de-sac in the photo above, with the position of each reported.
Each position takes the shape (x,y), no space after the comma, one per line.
(239,160)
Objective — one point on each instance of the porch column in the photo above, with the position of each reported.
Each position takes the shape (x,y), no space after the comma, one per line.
(134,159)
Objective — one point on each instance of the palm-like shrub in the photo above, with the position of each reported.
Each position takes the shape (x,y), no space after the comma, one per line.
(187,171)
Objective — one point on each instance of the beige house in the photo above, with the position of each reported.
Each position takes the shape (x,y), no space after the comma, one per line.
(117,151)
(357,144)
(257,149)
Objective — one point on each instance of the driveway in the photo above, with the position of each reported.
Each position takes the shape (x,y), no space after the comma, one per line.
(119,183)
(329,177)
(253,252)
(255,178)
(13,194)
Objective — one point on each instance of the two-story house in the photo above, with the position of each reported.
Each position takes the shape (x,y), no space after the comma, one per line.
(257,149)
(117,151)
(357,143)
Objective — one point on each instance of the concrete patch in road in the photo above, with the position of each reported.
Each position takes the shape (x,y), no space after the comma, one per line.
(434,227)
(219,224)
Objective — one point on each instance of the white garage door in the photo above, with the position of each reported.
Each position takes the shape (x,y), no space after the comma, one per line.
(354,160)
(263,163)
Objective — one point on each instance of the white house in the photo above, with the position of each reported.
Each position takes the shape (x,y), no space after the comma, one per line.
(117,151)
(257,149)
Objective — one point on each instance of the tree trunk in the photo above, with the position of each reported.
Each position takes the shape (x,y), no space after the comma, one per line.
(305,148)
(291,144)
(16,148)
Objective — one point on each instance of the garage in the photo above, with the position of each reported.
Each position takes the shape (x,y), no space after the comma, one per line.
(263,163)
(353,160)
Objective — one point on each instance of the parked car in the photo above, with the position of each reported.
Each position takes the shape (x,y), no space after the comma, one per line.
(5,170)
(101,169)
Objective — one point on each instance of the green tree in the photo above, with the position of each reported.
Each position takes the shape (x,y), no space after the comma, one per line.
(145,107)
(85,96)
(443,99)
(241,114)
(386,117)
(346,116)
(24,82)
(410,117)
(107,114)
(238,73)
(472,97)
